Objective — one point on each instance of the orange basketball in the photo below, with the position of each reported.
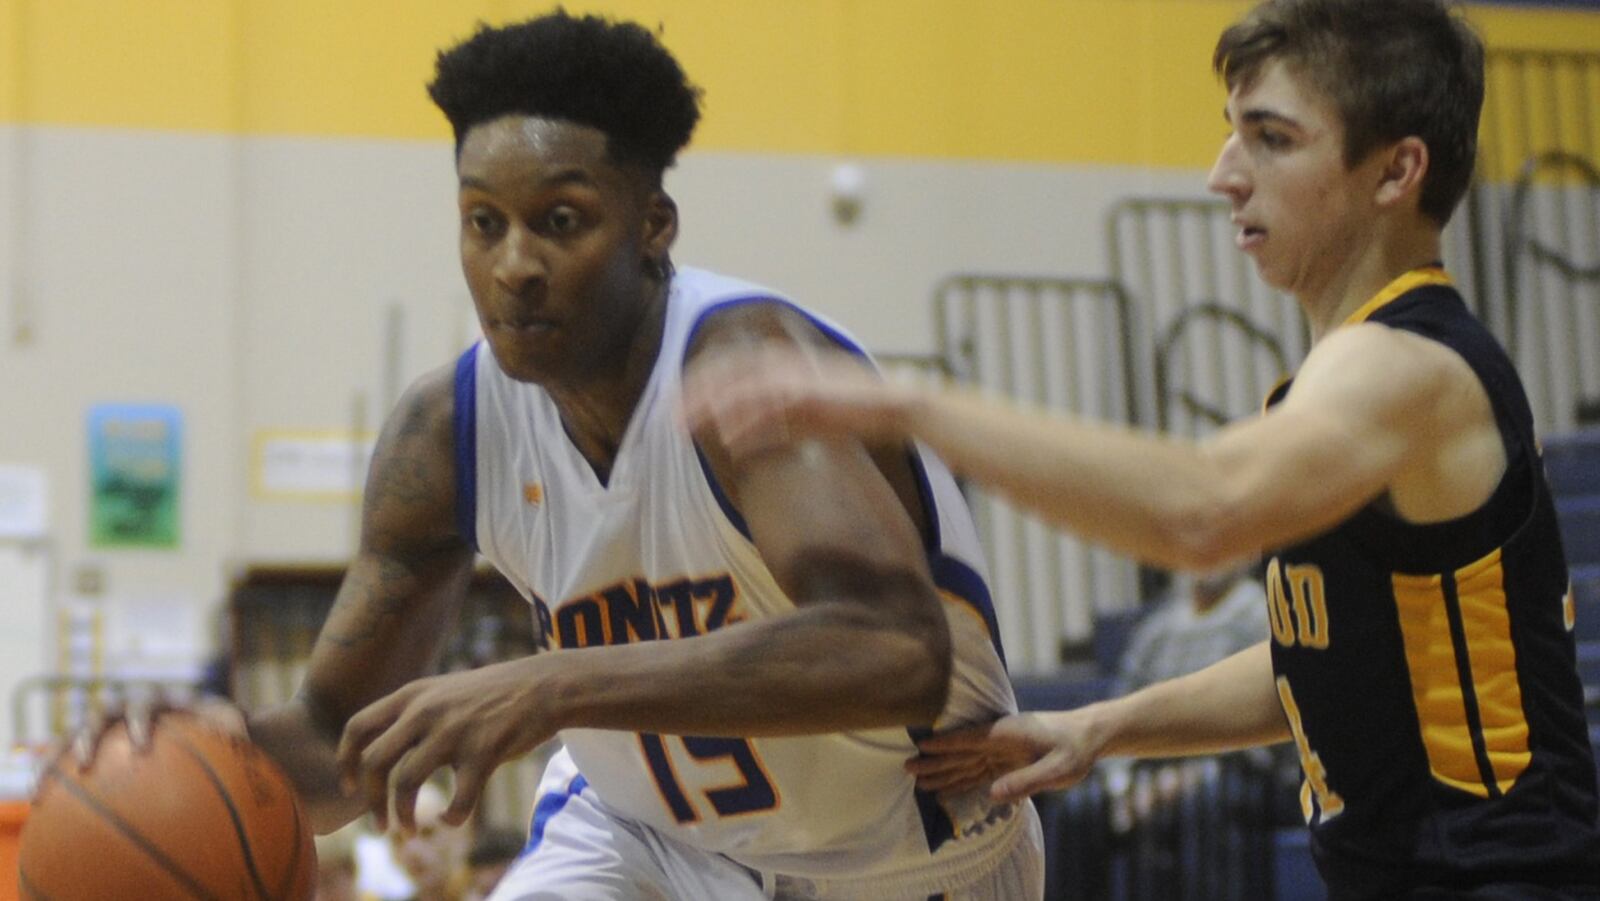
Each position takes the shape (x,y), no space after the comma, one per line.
(198,814)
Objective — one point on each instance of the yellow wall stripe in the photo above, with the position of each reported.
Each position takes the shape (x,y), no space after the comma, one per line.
(1437,676)
(1122,82)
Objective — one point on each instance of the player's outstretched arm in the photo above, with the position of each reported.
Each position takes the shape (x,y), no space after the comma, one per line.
(1229,705)
(397,603)
(1368,403)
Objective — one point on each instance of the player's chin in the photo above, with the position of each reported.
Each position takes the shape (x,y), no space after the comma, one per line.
(523,363)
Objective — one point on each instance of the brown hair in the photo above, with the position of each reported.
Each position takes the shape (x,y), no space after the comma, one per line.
(1392,68)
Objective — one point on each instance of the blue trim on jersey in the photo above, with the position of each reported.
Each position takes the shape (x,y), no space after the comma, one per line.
(466,422)
(547,808)
(937,826)
(961,580)
(833,334)
(919,471)
(950,574)
(723,501)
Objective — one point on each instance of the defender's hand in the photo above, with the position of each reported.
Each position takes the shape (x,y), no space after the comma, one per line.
(1015,756)
(758,400)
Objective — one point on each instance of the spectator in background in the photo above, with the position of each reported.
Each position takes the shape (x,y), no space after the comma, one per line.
(1202,619)
(337,873)
(490,857)
(434,855)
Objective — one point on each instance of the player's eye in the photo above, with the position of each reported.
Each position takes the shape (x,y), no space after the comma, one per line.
(1274,140)
(483,221)
(563,220)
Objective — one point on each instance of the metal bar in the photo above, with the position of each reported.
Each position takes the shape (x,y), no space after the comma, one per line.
(1039,340)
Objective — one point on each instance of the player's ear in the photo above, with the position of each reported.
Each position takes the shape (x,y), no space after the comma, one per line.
(1405,165)
(660,226)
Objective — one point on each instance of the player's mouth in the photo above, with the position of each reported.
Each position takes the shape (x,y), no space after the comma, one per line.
(524,325)
(1250,237)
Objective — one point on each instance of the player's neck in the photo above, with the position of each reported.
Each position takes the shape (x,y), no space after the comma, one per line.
(596,409)
(1387,254)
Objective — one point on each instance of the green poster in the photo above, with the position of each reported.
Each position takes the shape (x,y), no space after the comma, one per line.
(134,468)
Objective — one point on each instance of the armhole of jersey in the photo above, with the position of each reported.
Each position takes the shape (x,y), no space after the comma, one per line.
(723,501)
(834,335)
(962,583)
(1495,522)
(951,576)
(1500,386)
(466,434)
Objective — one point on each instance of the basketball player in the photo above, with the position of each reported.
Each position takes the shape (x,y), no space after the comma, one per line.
(1421,655)
(740,653)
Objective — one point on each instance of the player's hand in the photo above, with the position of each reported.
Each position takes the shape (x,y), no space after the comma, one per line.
(140,715)
(1015,756)
(756,400)
(471,721)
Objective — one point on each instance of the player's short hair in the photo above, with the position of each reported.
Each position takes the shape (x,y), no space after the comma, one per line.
(1393,68)
(612,76)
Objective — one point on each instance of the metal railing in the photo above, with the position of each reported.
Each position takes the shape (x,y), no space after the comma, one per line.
(1175,255)
(1061,344)
(1533,226)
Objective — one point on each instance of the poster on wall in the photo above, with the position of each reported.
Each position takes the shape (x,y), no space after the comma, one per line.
(302,465)
(134,469)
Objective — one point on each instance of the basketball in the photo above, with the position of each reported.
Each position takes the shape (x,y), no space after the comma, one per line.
(198,814)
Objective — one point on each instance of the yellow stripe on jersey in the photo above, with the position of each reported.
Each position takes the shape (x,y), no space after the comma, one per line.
(968,606)
(1416,278)
(1438,677)
(1481,589)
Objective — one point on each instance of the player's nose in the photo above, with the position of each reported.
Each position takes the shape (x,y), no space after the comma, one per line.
(1227,176)
(520,263)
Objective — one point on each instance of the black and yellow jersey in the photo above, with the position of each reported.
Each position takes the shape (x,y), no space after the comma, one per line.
(1428,671)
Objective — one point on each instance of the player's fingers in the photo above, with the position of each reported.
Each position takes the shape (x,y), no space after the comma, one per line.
(470,779)
(373,779)
(83,747)
(372,786)
(720,385)
(955,780)
(969,738)
(365,759)
(222,715)
(359,732)
(86,744)
(956,769)
(933,764)
(403,807)
(1046,773)
(741,422)
(139,717)
(708,386)
(412,769)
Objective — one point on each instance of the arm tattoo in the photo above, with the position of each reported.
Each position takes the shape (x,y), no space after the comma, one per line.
(359,617)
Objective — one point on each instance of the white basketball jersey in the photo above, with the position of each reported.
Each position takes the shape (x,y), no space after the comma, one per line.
(657,553)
